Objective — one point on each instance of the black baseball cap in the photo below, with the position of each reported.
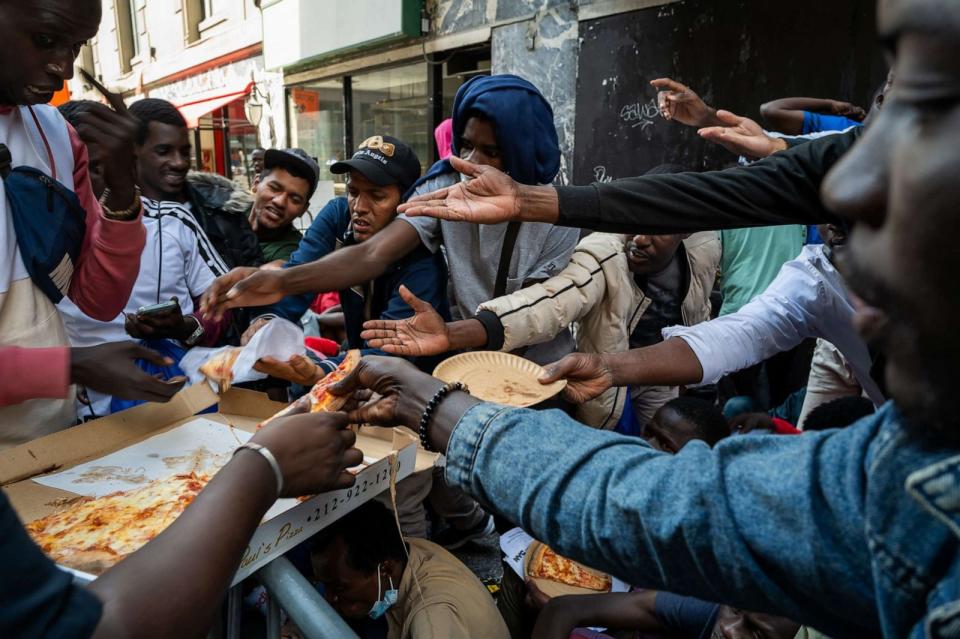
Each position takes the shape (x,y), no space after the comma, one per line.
(383,160)
(297,159)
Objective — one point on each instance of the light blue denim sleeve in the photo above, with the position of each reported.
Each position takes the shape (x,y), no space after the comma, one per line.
(766,523)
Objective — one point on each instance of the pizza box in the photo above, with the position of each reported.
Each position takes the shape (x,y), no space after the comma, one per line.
(287,524)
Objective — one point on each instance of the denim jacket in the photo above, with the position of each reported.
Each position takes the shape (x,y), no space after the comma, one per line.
(852,531)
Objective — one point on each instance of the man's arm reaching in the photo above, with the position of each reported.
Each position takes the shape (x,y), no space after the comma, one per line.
(341,269)
(781,189)
(786,115)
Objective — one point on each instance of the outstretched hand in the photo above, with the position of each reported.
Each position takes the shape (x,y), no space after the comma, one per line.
(587,376)
(742,136)
(847,110)
(423,334)
(298,369)
(490,197)
(242,286)
(679,102)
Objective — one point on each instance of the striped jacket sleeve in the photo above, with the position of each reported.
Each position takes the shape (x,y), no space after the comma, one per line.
(539,312)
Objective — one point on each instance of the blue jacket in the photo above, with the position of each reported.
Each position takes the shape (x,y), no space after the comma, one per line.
(421,271)
(852,531)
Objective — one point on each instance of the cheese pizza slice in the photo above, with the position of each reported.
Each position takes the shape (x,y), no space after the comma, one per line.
(219,368)
(547,564)
(321,400)
(94,534)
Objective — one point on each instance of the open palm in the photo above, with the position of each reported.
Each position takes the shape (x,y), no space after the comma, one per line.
(425,333)
(489,197)
(742,136)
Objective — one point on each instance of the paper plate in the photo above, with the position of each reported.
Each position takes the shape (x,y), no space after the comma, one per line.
(551,588)
(499,377)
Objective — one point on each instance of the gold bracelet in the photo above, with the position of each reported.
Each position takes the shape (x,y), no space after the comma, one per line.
(126,215)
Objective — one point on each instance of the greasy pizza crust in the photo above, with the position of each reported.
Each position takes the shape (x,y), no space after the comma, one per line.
(318,399)
(219,369)
(547,564)
(94,534)
(324,401)
(92,560)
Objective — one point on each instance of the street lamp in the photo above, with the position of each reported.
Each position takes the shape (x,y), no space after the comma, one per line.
(253,107)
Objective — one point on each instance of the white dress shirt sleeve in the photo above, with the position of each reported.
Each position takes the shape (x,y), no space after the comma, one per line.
(777,320)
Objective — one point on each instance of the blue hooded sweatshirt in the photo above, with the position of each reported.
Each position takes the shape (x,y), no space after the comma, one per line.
(505,101)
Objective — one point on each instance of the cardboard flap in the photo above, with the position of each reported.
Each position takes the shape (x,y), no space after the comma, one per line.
(87,441)
(401,437)
(240,401)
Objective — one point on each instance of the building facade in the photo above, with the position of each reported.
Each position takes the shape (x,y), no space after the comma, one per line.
(373,66)
(205,56)
(326,74)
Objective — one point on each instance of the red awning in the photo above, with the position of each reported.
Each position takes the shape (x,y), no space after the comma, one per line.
(202,104)
(61,96)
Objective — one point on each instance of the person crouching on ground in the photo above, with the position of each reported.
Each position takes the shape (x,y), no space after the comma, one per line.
(369,571)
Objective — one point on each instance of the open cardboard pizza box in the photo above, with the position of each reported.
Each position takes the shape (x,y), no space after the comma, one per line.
(130,435)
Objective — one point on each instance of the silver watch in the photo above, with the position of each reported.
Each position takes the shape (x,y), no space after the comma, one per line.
(195,335)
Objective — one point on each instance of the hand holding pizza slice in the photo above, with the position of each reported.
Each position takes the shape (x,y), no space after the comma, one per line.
(319,399)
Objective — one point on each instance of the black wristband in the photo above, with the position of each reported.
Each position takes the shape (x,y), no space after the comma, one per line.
(432,406)
(494,327)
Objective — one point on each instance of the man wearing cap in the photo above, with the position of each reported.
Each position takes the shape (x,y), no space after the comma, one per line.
(381,171)
(281,194)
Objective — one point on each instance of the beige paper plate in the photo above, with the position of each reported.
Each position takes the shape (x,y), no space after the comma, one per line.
(499,377)
(551,588)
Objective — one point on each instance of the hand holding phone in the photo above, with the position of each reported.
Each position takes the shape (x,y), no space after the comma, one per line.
(161,308)
(158,321)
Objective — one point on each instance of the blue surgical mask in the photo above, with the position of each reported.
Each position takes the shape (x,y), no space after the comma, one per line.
(386,602)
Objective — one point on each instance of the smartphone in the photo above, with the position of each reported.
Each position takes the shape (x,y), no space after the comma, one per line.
(158,309)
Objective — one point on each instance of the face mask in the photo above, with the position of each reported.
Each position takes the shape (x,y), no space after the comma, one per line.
(389,598)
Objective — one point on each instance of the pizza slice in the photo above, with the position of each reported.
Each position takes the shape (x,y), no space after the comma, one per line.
(92,535)
(219,368)
(547,564)
(321,400)
(318,399)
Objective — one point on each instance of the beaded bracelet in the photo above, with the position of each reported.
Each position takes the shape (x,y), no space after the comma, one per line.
(127,215)
(432,406)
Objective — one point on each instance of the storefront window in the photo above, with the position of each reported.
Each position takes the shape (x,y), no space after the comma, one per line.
(394,102)
(226,140)
(316,121)
(242,140)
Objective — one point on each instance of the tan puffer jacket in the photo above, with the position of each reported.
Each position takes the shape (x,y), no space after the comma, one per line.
(598,290)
